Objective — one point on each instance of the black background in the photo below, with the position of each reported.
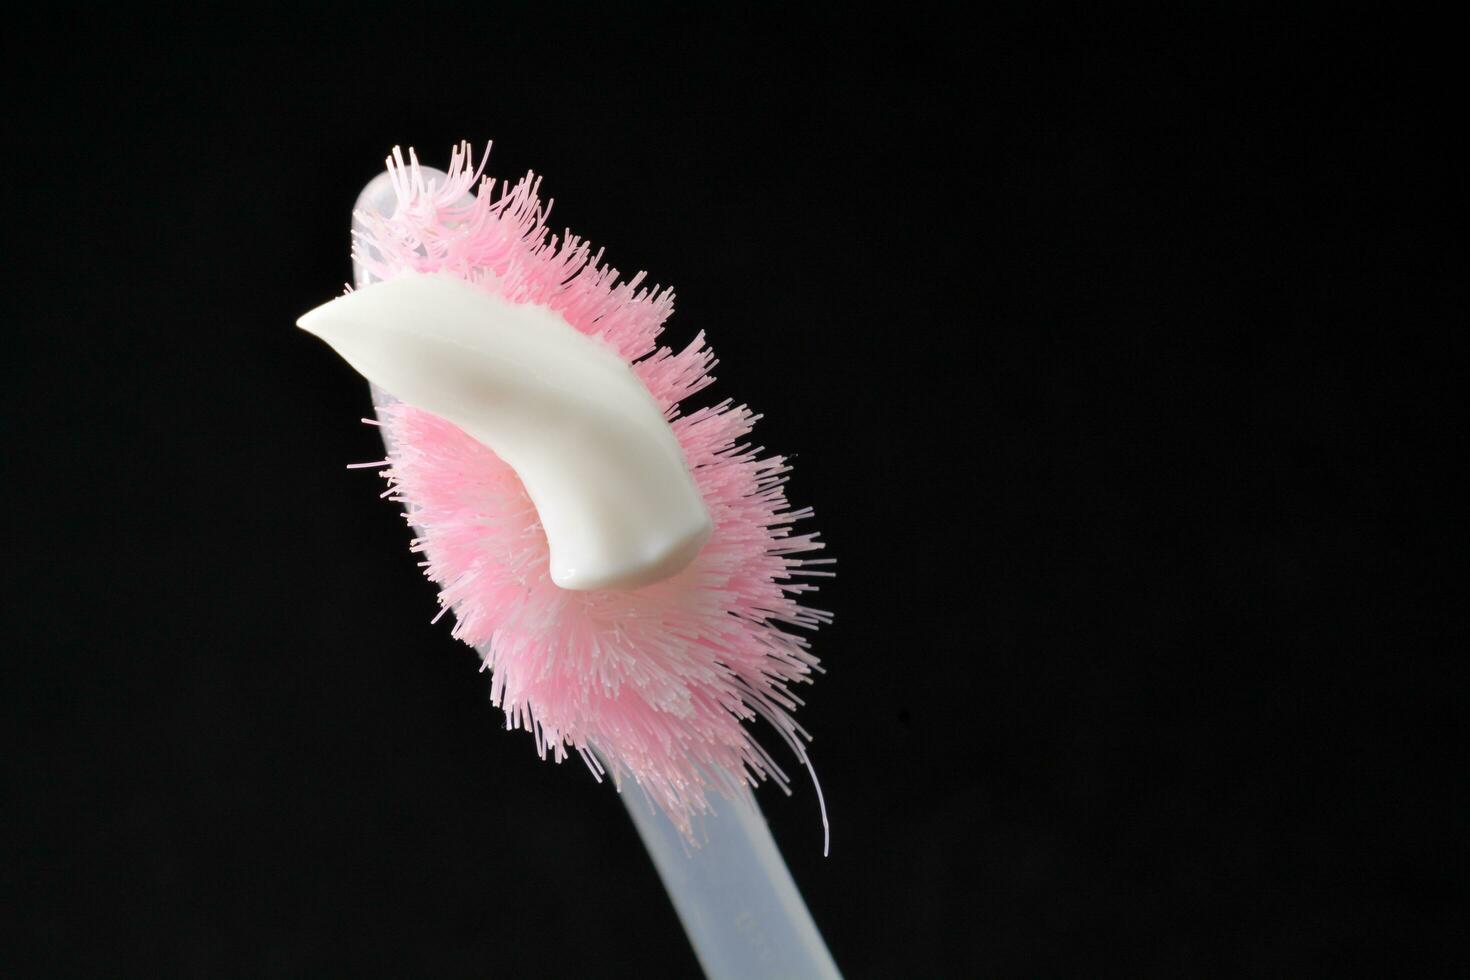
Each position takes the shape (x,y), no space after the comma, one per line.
(1115,359)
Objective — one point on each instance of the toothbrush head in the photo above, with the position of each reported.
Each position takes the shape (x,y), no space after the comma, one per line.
(653,682)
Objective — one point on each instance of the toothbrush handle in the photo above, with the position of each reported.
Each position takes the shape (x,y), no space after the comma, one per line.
(734,895)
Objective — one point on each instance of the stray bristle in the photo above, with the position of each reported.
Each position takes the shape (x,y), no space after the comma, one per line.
(653,683)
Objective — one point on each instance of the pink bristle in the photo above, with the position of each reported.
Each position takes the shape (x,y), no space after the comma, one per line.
(656,682)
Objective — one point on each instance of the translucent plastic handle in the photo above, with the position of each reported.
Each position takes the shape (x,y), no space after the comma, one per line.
(739,906)
(733,893)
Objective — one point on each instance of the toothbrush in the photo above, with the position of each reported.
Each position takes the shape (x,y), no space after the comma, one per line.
(627,574)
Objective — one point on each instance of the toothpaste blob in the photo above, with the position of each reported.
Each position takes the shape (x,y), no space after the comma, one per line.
(588,442)
(648,666)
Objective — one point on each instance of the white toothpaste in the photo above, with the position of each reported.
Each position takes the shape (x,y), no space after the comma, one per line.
(598,460)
